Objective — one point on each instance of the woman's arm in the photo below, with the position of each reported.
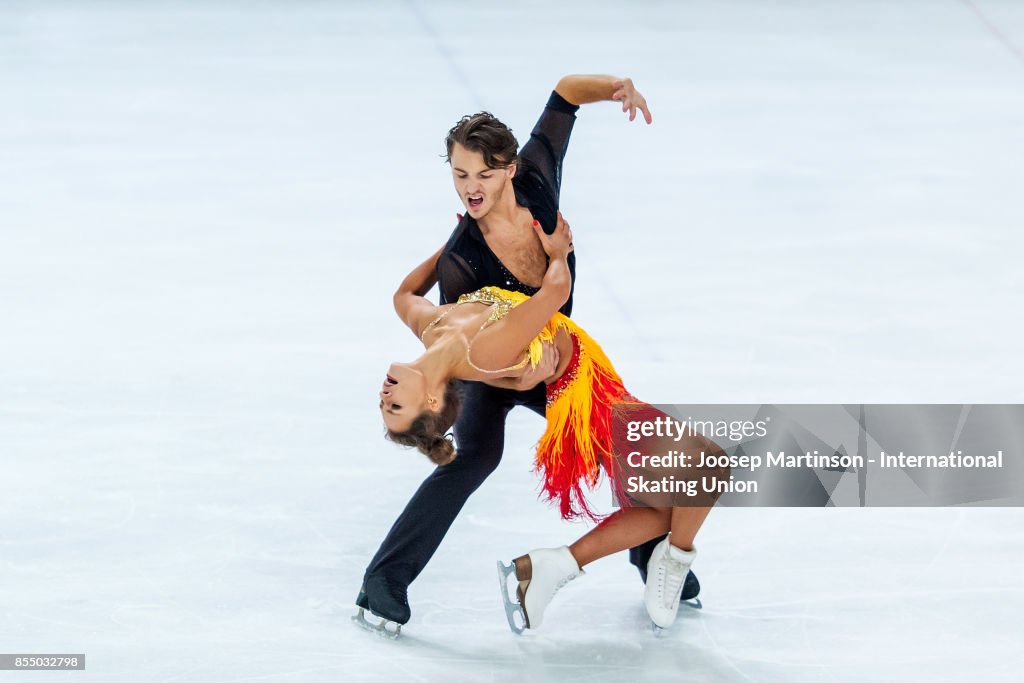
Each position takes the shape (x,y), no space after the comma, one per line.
(529,377)
(410,305)
(580,89)
(502,344)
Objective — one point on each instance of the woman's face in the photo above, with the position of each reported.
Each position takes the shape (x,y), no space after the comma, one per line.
(402,397)
(479,186)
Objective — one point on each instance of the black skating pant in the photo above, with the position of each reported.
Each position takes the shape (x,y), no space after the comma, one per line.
(480,434)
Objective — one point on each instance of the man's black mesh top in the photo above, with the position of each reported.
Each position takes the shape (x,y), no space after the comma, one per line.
(467,263)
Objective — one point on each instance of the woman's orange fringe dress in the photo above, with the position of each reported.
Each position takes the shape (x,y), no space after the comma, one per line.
(577,443)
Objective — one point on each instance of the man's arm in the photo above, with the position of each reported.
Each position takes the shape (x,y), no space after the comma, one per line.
(545,151)
(581,89)
(409,301)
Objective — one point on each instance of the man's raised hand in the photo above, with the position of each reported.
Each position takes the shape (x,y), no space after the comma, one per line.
(631,99)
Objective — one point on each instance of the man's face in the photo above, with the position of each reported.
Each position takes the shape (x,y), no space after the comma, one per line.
(479,186)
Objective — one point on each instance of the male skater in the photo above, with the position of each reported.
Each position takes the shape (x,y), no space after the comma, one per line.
(494,244)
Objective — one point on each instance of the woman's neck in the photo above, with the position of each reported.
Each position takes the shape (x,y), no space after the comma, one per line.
(441,359)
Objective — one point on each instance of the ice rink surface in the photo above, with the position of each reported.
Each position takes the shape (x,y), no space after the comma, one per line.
(205,207)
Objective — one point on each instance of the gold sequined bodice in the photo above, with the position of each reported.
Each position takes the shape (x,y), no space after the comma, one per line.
(502,301)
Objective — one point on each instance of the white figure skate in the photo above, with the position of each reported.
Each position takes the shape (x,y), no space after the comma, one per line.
(540,574)
(666,573)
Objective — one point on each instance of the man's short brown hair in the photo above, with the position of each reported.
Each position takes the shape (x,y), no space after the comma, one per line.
(483,132)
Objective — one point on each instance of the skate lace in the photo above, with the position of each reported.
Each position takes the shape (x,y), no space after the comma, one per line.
(674,576)
(562,582)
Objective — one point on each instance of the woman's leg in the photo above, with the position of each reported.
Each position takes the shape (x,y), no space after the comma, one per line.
(630,527)
(685,524)
(623,529)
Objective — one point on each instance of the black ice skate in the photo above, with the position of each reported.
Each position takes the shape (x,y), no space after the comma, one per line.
(385,600)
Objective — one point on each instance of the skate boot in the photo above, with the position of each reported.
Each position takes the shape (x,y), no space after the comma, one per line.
(666,574)
(384,599)
(540,573)
(641,555)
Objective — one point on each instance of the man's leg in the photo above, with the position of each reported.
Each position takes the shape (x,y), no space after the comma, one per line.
(419,530)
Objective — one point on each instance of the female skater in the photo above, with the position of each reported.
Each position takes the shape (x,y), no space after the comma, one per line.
(494,333)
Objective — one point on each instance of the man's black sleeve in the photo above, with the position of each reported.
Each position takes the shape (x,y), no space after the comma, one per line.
(549,140)
(455,277)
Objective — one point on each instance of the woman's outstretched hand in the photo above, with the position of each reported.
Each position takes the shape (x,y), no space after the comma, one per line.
(559,243)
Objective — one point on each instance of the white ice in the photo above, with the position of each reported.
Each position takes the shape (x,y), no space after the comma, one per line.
(204,207)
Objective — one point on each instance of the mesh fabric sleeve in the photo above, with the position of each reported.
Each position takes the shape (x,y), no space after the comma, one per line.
(455,277)
(549,140)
